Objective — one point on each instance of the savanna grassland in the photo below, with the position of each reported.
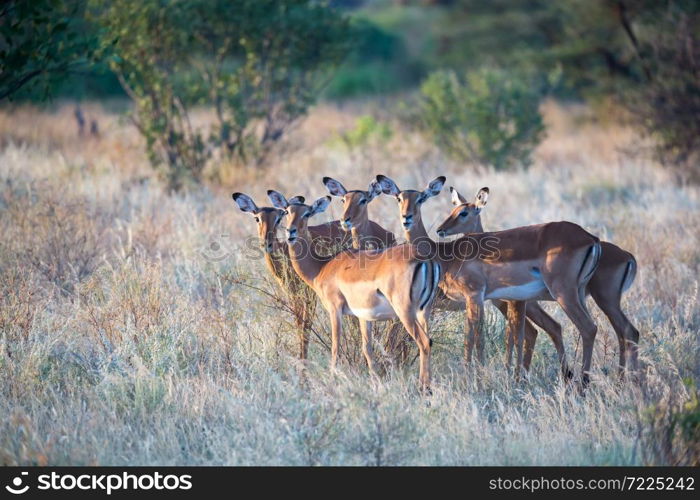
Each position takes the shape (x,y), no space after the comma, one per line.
(135,327)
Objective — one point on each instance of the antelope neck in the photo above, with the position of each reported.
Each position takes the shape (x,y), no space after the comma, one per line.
(304,260)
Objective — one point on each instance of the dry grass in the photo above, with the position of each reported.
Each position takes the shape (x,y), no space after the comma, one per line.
(120,343)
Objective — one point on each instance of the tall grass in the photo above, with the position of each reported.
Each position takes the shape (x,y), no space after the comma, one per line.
(123,340)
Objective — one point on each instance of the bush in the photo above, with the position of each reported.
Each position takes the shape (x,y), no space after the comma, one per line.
(362,80)
(490,117)
(258,63)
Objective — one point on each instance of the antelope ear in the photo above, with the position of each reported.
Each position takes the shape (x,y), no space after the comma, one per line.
(297,200)
(482,197)
(434,187)
(334,187)
(278,200)
(374,190)
(457,199)
(320,205)
(245,202)
(388,186)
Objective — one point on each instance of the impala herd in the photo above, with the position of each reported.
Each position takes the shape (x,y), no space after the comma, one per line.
(372,277)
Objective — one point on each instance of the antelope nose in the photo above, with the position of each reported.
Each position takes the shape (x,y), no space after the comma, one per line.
(347,224)
(291,234)
(407,220)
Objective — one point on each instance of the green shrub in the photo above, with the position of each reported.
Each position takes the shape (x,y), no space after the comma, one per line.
(367,130)
(489,117)
(361,80)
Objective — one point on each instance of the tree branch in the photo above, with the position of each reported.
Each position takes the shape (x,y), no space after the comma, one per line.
(19,83)
(627,27)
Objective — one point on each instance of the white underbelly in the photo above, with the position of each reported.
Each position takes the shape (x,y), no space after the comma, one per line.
(382,310)
(529,291)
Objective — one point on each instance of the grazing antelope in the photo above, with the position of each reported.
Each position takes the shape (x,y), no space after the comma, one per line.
(410,202)
(368,284)
(616,271)
(366,234)
(277,257)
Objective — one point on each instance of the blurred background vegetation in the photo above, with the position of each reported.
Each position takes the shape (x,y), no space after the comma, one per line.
(469,74)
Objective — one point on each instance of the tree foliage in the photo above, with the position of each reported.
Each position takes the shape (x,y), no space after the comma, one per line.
(41,41)
(259,63)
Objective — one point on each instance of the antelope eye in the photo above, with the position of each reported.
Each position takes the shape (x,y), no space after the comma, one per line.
(363,202)
(306,215)
(464,213)
(257,219)
(342,200)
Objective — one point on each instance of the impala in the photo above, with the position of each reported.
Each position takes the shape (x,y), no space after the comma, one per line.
(614,275)
(410,203)
(368,284)
(552,261)
(365,233)
(277,257)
